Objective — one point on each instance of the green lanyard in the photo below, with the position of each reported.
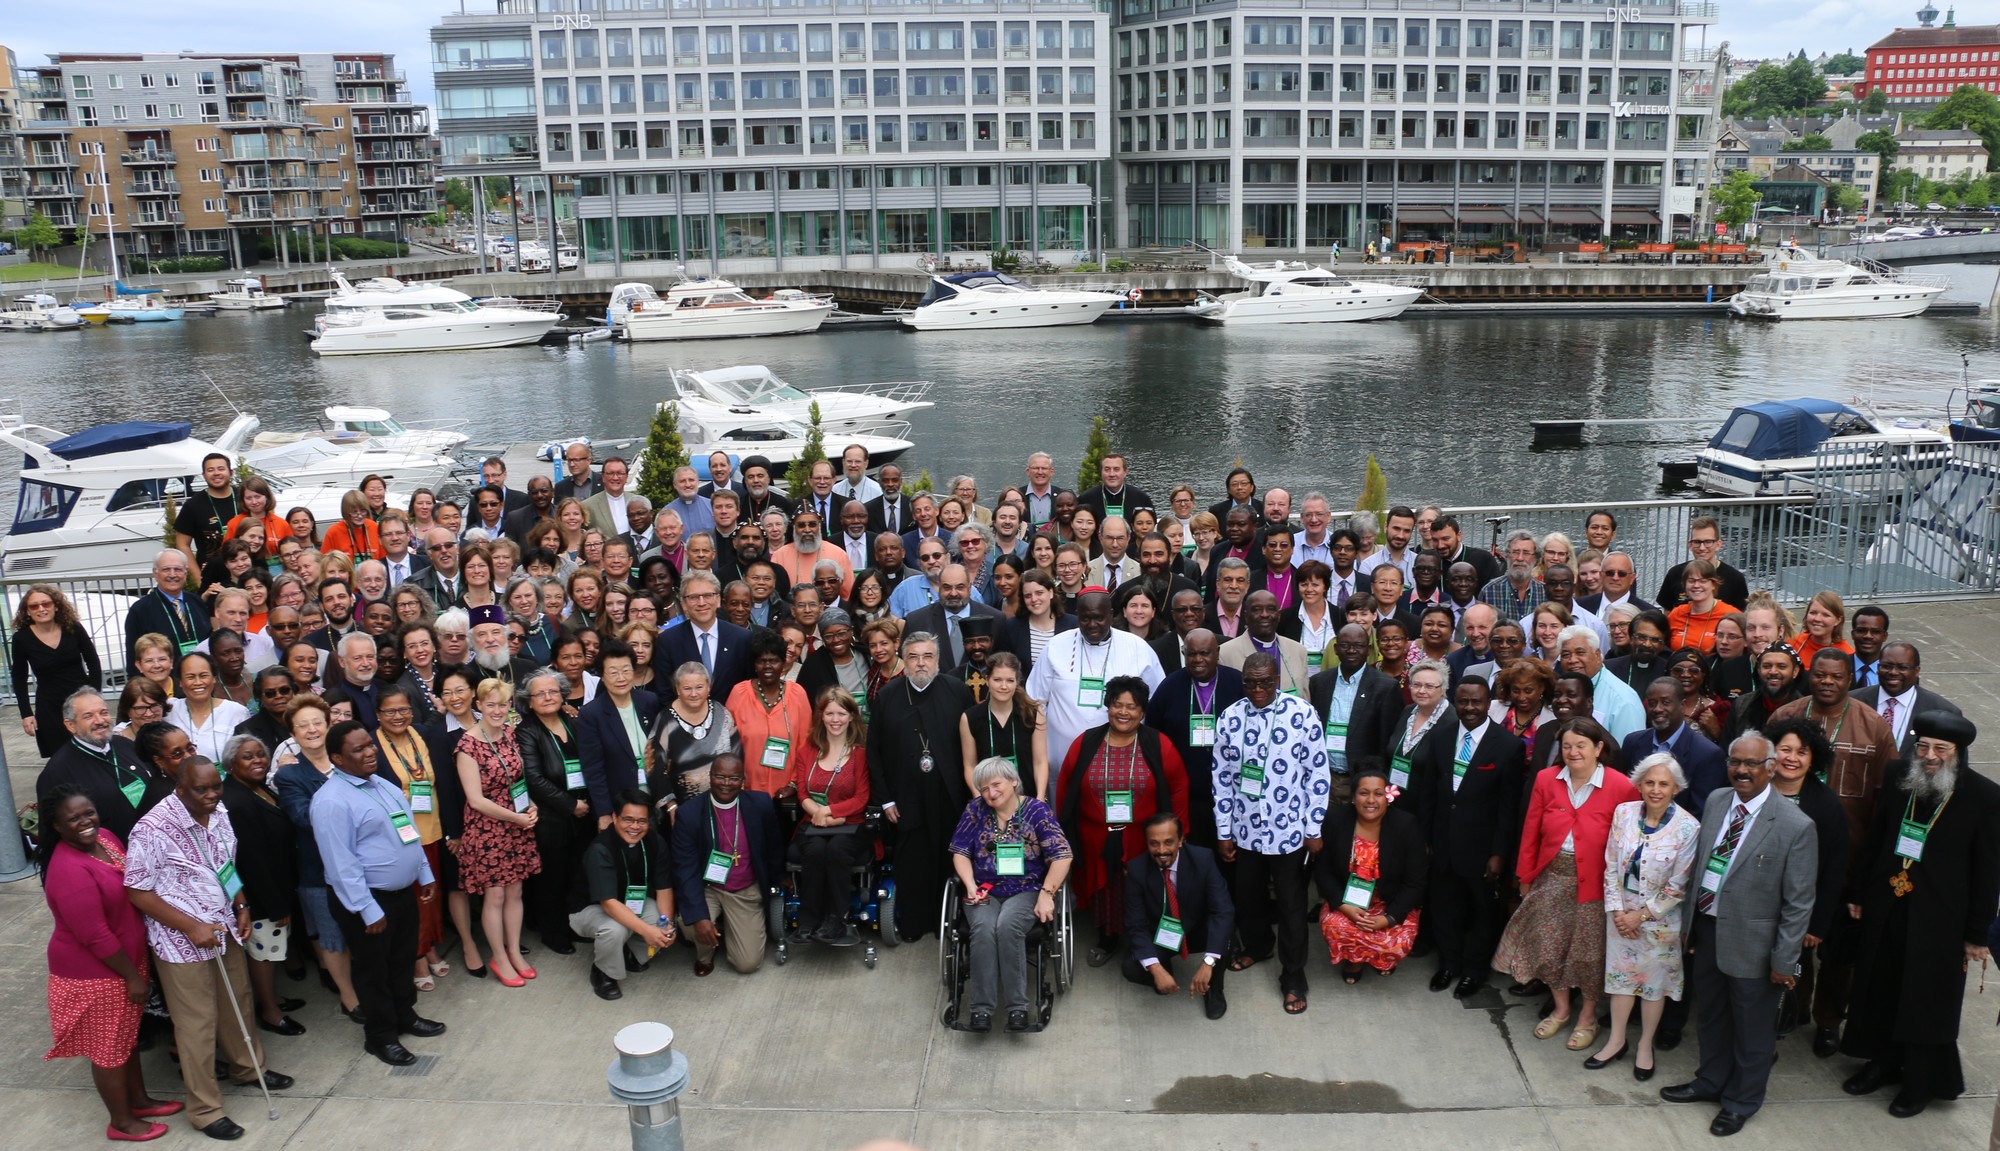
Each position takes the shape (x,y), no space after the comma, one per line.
(819,796)
(1012,756)
(133,788)
(1833,736)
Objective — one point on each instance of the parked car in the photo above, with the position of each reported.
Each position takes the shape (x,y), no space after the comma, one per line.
(1933,206)
(6,249)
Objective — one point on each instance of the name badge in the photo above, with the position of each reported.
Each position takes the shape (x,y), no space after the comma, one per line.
(1252,785)
(572,775)
(519,790)
(861,705)
(719,865)
(635,898)
(1910,840)
(1458,769)
(188,645)
(1336,737)
(777,752)
(1359,892)
(1313,659)
(1711,875)
(406,830)
(1090,693)
(1117,807)
(421,796)
(1399,771)
(230,881)
(1201,731)
(133,790)
(1010,859)
(1168,936)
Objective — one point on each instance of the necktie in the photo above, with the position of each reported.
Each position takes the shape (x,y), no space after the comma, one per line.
(707,657)
(825,514)
(889,515)
(1465,748)
(398,572)
(957,645)
(1174,905)
(1704,899)
(1346,589)
(1889,712)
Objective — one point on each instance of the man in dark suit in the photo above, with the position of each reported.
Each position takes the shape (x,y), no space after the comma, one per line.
(541,505)
(1899,695)
(166,610)
(715,643)
(1668,730)
(720,469)
(758,497)
(1113,496)
(1177,908)
(604,728)
(941,619)
(1185,708)
(1039,494)
(1185,613)
(1239,541)
(1357,706)
(440,580)
(1242,489)
(728,852)
(890,511)
(1466,783)
(1617,577)
(1448,540)
(853,537)
(821,497)
(578,482)
(493,474)
(1744,925)
(120,785)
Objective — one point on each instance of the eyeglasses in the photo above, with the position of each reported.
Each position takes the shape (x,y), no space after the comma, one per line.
(276,692)
(395,712)
(441,547)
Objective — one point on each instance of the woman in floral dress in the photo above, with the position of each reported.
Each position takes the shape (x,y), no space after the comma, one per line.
(497,851)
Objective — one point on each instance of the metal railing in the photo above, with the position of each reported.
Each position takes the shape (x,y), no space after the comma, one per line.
(1919,520)
(100,606)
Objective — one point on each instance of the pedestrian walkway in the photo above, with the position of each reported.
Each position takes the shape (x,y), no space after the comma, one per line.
(824,1053)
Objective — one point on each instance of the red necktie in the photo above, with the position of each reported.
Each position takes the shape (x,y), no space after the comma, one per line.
(1174,906)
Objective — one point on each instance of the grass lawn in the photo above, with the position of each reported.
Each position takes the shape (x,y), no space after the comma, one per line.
(17,273)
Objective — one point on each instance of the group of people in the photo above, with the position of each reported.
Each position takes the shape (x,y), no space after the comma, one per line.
(1209,728)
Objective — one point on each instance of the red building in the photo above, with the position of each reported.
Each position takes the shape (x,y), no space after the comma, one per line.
(1924,65)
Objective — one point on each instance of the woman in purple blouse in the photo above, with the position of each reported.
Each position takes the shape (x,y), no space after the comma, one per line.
(1011,859)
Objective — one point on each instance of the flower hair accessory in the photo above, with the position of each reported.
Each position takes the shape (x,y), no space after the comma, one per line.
(1394,793)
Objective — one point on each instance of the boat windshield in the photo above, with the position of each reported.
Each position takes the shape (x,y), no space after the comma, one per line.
(42,507)
(1985,413)
(757,390)
(383,427)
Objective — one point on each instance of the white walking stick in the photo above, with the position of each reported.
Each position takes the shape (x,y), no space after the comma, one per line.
(249,1044)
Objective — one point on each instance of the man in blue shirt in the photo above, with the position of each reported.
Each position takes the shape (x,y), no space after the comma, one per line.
(377,873)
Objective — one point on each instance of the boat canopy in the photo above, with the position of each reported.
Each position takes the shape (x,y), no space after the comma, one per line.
(945,287)
(126,437)
(1786,429)
(124,289)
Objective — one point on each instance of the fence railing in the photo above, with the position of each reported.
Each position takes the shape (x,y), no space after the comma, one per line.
(1902,520)
(100,606)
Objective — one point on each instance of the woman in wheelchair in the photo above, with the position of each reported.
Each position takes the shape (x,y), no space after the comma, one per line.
(830,771)
(1011,858)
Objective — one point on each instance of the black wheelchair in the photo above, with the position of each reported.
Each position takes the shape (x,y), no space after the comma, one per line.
(1051,957)
(873,907)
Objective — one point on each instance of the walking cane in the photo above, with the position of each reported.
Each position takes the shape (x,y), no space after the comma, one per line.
(249,1044)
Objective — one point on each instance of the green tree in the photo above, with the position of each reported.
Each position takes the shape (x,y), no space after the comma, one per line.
(1876,102)
(1813,142)
(1881,143)
(1845,64)
(799,477)
(662,454)
(1848,198)
(1772,89)
(1374,489)
(38,235)
(1805,85)
(1736,199)
(1094,451)
(922,483)
(458,196)
(1970,108)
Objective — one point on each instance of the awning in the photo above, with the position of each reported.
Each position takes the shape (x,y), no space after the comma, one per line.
(1485,216)
(1423,216)
(1574,216)
(1642,216)
(1531,218)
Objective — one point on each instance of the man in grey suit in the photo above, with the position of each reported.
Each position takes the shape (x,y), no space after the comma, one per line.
(1898,694)
(1750,898)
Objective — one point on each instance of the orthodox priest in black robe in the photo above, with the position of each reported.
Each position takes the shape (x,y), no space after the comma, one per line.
(916,774)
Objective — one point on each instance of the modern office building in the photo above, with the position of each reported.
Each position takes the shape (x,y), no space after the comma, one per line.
(200,153)
(1923,65)
(792,137)
(1288,124)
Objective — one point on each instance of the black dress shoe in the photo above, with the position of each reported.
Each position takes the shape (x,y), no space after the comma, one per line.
(284,1026)
(1017,1020)
(1666,1040)
(353,1016)
(1727,1123)
(277,1081)
(426,1028)
(1905,1105)
(1826,1041)
(223,1128)
(1688,1093)
(980,1021)
(1531,987)
(1642,1074)
(560,946)
(285,1005)
(1444,978)
(1596,1064)
(636,962)
(1468,986)
(1872,1077)
(1098,956)
(392,1053)
(605,986)
(1216,1005)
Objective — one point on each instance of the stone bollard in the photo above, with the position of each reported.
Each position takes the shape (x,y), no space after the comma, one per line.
(648,1077)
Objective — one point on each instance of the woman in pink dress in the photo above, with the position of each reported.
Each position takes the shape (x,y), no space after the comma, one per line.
(1371,873)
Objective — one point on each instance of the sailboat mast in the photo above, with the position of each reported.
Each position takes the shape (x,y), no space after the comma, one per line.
(110,221)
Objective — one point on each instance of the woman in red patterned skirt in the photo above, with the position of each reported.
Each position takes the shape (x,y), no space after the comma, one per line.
(497,851)
(97,964)
(1371,874)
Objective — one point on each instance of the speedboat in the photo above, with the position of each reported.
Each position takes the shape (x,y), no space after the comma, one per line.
(1776,447)
(290,459)
(38,312)
(1800,288)
(973,300)
(383,430)
(711,309)
(147,309)
(1296,292)
(708,427)
(245,295)
(93,505)
(846,408)
(385,315)
(1980,421)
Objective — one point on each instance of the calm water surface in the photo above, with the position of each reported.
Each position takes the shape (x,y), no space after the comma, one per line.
(1444,403)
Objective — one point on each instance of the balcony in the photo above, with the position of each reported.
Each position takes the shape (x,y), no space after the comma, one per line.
(46,124)
(152,188)
(1540,52)
(280,152)
(854,101)
(853,148)
(1384,142)
(693,151)
(39,158)
(1538,97)
(170,218)
(852,56)
(687,106)
(260,214)
(392,126)
(1020,145)
(1689,55)
(147,156)
(279,184)
(62,191)
(1536,144)
(1382,50)
(1381,97)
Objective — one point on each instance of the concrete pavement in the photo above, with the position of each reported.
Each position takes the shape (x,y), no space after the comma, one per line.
(824,1053)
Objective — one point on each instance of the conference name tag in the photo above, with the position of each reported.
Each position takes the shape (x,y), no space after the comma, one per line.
(719,865)
(230,881)
(777,753)
(1010,859)
(1359,891)
(1399,771)
(635,898)
(1711,875)
(572,775)
(1252,786)
(519,790)
(133,790)
(406,830)
(421,796)
(1910,840)
(1168,935)
(1090,693)
(188,645)
(1117,807)
(1314,658)
(1458,769)
(1336,737)
(1201,731)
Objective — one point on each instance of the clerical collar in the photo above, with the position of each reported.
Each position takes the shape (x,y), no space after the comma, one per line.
(721,806)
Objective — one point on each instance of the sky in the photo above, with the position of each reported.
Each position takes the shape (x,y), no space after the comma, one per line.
(1753,28)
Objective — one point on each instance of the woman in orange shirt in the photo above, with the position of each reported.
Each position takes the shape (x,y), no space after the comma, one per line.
(355,534)
(260,505)
(1692,624)
(773,717)
(1826,614)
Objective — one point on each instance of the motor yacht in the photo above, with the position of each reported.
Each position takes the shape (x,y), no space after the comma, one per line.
(385,315)
(295,460)
(38,312)
(378,427)
(708,427)
(1775,448)
(245,295)
(1800,288)
(1296,292)
(843,408)
(711,309)
(969,301)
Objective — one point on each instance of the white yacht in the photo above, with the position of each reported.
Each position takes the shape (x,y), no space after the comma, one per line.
(291,459)
(711,309)
(1801,288)
(972,300)
(384,315)
(708,427)
(93,505)
(38,312)
(1773,448)
(144,308)
(386,431)
(245,295)
(844,408)
(1296,292)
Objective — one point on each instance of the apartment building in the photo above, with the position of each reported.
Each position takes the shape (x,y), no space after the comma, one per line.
(196,153)
(1922,65)
(1762,147)
(1295,124)
(13,209)
(794,137)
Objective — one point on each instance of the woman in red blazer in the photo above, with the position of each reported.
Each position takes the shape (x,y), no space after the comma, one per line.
(829,768)
(1557,935)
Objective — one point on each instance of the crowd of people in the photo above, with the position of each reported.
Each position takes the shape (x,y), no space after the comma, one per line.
(347,746)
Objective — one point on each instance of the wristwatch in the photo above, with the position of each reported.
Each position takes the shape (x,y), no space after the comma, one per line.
(1208,961)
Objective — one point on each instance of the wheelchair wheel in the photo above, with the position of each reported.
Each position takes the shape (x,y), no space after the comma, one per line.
(1065,943)
(948,939)
(885,915)
(774,915)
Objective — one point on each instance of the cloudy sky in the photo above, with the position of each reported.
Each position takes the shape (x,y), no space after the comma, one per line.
(1753,28)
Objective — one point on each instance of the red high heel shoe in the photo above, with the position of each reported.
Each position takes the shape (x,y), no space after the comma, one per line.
(152,1132)
(525,971)
(505,981)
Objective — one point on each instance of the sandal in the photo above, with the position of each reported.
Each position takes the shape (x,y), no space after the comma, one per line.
(1350,974)
(1547,1028)
(1295,1004)
(1583,1037)
(440,969)
(425,983)
(1242,962)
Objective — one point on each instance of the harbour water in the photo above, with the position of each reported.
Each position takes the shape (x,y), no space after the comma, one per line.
(1444,404)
